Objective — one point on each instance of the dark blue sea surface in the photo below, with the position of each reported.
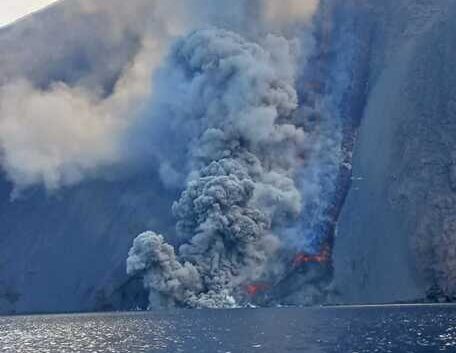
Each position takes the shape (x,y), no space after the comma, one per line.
(398,329)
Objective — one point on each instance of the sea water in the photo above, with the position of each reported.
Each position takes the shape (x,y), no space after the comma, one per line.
(396,329)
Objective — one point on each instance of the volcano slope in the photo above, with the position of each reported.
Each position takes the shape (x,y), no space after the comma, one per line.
(386,210)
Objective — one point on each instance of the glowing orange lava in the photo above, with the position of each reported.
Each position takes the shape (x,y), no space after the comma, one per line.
(255,288)
(320,258)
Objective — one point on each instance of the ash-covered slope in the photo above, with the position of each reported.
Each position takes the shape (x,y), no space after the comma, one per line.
(67,252)
(396,235)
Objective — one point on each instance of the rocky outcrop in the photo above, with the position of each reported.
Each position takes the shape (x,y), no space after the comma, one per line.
(396,235)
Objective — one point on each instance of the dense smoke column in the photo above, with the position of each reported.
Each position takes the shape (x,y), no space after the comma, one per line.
(232,112)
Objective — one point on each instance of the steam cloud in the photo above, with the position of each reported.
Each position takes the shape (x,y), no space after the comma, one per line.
(63,108)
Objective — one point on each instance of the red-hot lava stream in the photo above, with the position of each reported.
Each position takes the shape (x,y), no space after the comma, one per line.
(299,260)
(344,178)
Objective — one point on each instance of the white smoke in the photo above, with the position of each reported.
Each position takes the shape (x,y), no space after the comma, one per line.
(54,137)
(65,105)
(60,135)
(284,12)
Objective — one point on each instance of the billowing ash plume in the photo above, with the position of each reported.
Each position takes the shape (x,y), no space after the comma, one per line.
(233,107)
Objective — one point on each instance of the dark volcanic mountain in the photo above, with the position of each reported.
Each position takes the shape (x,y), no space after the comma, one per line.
(74,76)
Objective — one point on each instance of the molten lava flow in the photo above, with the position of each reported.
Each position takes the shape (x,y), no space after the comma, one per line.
(320,258)
(255,288)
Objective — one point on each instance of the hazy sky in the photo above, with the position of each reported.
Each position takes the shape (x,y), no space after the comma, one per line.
(11,10)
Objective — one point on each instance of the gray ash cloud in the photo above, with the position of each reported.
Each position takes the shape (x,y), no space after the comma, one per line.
(232,111)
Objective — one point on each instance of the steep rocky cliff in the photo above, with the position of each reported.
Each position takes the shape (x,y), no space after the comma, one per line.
(395,236)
